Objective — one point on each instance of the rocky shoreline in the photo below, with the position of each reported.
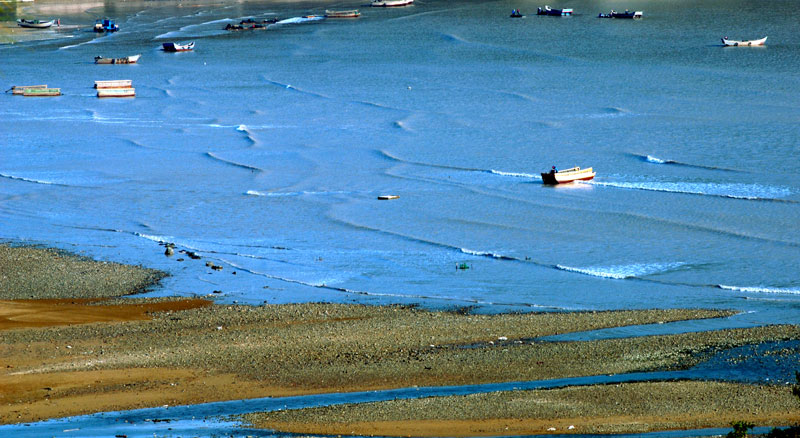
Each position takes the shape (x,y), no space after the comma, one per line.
(65,356)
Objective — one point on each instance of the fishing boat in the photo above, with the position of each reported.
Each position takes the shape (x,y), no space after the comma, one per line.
(116,92)
(390,3)
(126,60)
(20,89)
(388,197)
(41,92)
(626,14)
(35,24)
(105,25)
(547,10)
(175,47)
(117,83)
(515,13)
(353,13)
(567,176)
(736,43)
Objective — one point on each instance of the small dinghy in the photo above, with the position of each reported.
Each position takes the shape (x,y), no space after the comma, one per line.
(175,47)
(126,60)
(35,24)
(736,43)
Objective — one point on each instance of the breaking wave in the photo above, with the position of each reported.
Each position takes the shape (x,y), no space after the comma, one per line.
(620,272)
(656,160)
(233,163)
(759,289)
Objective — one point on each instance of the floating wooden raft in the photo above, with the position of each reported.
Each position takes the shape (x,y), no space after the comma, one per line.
(41,92)
(20,89)
(116,92)
(121,83)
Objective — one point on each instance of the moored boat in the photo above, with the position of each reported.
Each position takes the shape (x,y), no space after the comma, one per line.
(175,47)
(35,24)
(117,83)
(105,25)
(390,3)
(20,89)
(626,14)
(342,14)
(116,92)
(737,43)
(126,60)
(567,176)
(547,10)
(41,92)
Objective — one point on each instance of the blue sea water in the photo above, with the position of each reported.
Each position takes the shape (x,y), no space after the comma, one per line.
(264,151)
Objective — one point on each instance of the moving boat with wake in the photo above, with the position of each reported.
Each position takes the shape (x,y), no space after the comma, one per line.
(573,174)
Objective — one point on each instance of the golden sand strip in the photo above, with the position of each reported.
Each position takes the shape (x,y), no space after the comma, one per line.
(622,408)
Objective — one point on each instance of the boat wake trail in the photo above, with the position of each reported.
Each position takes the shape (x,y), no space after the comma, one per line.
(187,31)
(656,160)
(529,176)
(753,192)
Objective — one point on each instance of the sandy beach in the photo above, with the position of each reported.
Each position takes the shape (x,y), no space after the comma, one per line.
(68,350)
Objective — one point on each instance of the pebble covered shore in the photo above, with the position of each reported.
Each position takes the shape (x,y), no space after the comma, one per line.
(188,351)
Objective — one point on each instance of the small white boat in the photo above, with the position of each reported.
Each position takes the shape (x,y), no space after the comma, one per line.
(35,24)
(390,3)
(175,47)
(736,43)
(116,92)
(342,14)
(567,175)
(126,60)
(388,197)
(118,83)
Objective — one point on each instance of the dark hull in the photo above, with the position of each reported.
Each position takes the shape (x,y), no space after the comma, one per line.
(549,178)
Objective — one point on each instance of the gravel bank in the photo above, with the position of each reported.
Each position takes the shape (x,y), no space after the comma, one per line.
(156,352)
(29,272)
(622,408)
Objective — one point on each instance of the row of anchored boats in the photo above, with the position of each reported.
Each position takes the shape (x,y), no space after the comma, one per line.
(113,88)
(566,12)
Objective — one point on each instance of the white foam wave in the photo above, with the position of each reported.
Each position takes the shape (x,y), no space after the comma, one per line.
(727,190)
(652,159)
(514,174)
(296,20)
(620,272)
(482,253)
(760,289)
(285,194)
(157,239)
